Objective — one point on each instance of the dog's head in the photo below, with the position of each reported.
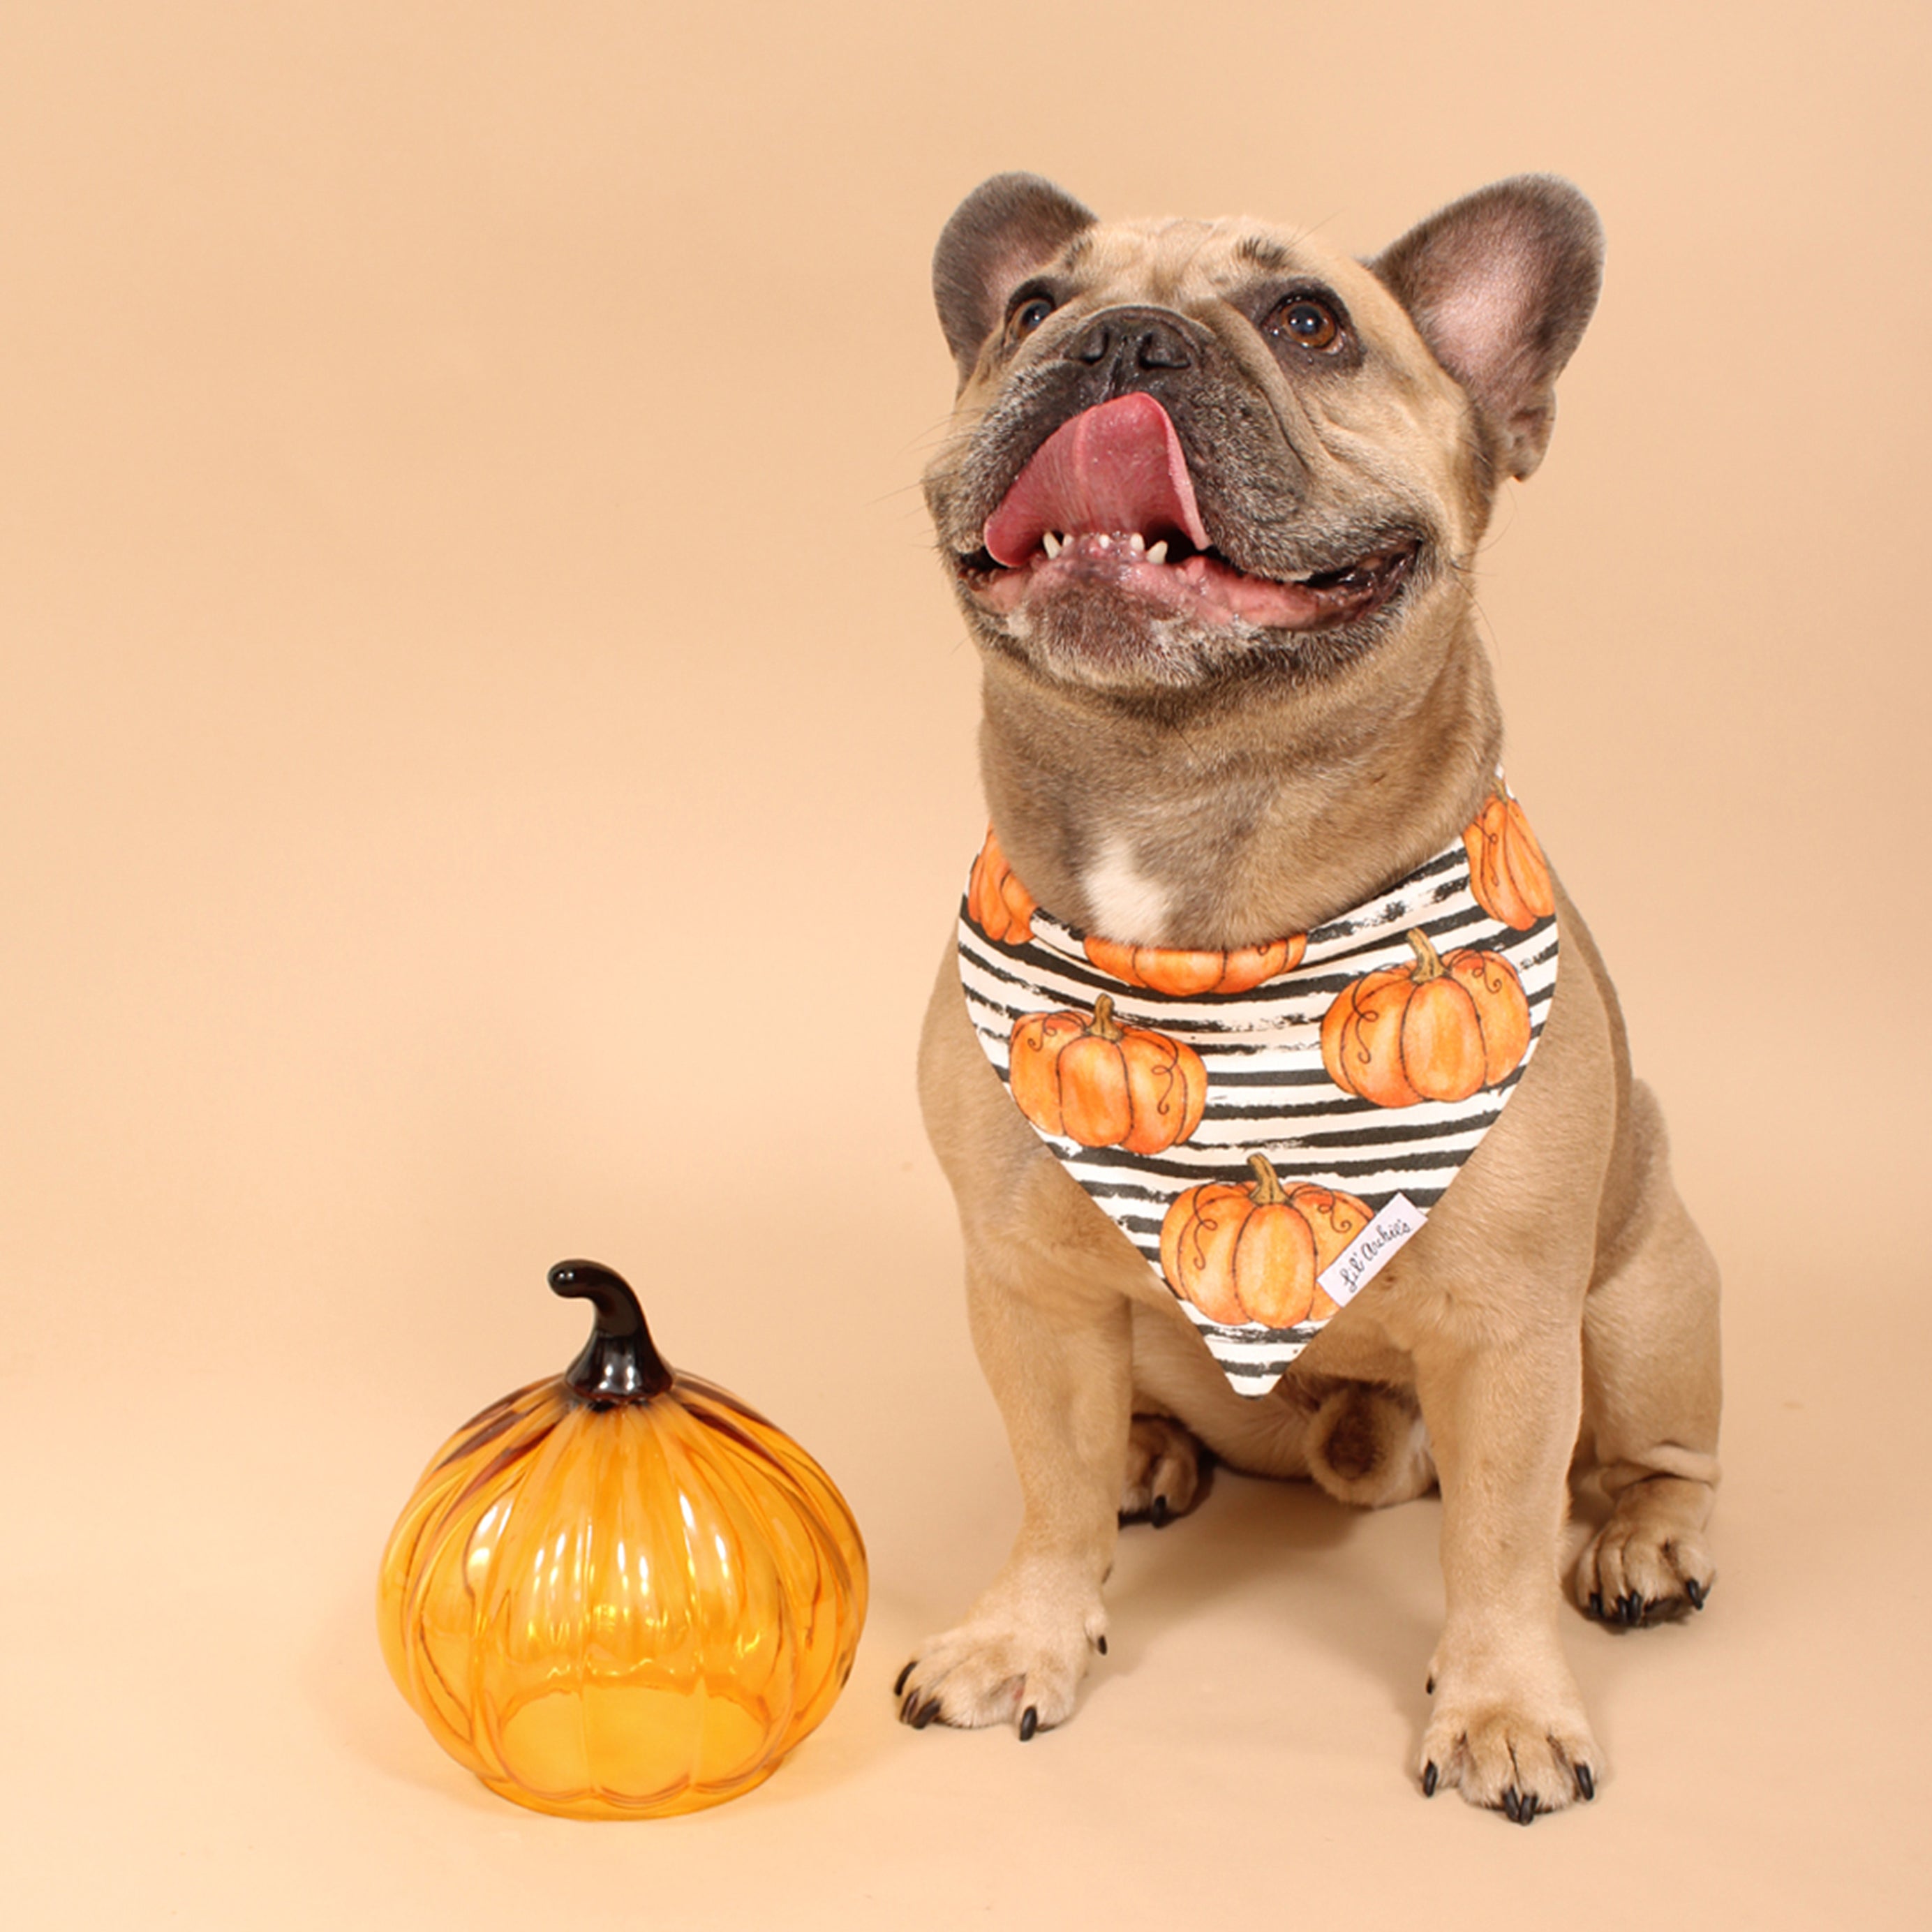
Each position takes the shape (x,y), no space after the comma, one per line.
(1185,452)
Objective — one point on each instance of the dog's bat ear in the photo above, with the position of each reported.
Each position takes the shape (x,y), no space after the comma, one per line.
(1003,231)
(1500,285)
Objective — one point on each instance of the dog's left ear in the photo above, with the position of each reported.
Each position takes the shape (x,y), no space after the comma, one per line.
(1500,285)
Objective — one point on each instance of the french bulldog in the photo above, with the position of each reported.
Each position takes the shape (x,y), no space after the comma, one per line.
(1211,501)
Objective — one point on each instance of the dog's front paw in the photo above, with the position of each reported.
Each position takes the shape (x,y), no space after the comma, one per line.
(1520,1754)
(1018,1659)
(1649,1563)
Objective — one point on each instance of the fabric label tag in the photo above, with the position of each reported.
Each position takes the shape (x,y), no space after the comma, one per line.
(1371,1250)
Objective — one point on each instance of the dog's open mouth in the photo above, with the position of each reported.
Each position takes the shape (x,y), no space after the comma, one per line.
(1106,501)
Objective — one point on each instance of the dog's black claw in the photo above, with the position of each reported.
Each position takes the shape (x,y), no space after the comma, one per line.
(1428,1688)
(1100,1644)
(1597,1603)
(1586,1783)
(1510,1804)
(1630,1609)
(1526,1810)
(925,1714)
(1695,1592)
(1159,1511)
(899,1681)
(1029,1724)
(1428,1780)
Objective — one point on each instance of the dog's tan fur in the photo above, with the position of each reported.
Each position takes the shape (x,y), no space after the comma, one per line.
(1197,787)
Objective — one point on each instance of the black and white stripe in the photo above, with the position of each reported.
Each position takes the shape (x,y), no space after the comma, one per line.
(1267,1091)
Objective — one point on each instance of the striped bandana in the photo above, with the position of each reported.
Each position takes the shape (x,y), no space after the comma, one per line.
(1268,1125)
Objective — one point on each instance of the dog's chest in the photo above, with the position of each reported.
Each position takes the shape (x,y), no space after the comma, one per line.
(1125,900)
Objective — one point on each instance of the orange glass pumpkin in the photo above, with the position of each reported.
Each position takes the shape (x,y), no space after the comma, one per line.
(1104,1085)
(621,1593)
(996,902)
(1508,872)
(1171,969)
(1255,1253)
(1441,1029)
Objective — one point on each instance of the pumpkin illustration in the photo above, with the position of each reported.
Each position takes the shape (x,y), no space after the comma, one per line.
(1104,1085)
(1441,1029)
(621,1593)
(1255,1253)
(1508,872)
(1168,969)
(996,902)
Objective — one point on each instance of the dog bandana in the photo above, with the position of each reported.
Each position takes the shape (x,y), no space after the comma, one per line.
(1268,1125)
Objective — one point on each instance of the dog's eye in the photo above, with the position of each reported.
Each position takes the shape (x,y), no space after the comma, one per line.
(1029,315)
(1307,322)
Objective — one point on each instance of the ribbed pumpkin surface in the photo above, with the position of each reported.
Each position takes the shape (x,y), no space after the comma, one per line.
(621,1610)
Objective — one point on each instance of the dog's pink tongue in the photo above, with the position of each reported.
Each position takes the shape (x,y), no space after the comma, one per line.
(1116,467)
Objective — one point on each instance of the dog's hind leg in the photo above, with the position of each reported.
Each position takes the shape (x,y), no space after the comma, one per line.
(1179,1385)
(1651,1396)
(1367,1446)
(1362,1441)
(1164,1472)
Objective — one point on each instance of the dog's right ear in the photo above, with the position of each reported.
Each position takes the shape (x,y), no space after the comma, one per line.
(999,235)
(1500,285)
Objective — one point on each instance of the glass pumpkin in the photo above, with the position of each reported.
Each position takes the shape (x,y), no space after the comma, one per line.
(620,1593)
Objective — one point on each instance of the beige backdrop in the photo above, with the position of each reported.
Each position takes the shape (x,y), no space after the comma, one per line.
(469,630)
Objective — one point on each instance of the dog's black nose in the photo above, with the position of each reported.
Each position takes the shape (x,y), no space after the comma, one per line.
(1132,339)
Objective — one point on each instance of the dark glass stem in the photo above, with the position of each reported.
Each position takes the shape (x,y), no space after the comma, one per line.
(618,1363)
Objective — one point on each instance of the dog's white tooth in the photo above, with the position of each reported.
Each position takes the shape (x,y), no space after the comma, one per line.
(1137,542)
(1157,553)
(1051,543)
(1104,541)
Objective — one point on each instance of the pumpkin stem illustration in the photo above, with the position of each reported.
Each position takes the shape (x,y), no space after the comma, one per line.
(1103,1025)
(618,1363)
(1428,961)
(1267,1191)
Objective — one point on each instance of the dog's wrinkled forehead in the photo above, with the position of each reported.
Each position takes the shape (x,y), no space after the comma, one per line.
(1188,264)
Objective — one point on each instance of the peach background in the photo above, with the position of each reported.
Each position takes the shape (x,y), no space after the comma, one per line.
(469,625)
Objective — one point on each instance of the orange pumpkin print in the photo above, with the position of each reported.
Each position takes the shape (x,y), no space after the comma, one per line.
(1256,1253)
(1439,1030)
(1170,969)
(1507,871)
(996,902)
(1104,1085)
